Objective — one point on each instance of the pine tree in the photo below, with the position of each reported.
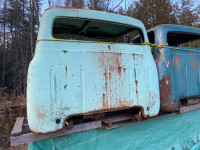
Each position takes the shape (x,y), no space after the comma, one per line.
(153,12)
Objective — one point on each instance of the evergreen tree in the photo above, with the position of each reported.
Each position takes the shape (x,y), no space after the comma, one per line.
(153,12)
(187,13)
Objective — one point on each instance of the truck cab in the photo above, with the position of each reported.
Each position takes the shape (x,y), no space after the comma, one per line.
(179,77)
(85,67)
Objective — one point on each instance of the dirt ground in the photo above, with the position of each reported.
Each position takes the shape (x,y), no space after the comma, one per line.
(11,107)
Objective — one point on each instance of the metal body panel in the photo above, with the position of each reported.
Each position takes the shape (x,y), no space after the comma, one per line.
(72,78)
(179,78)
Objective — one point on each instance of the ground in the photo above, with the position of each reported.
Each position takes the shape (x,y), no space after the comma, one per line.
(11,107)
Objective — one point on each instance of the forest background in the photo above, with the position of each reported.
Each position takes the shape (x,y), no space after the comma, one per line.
(19,23)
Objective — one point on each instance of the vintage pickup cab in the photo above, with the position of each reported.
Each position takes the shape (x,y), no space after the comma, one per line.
(179,77)
(83,69)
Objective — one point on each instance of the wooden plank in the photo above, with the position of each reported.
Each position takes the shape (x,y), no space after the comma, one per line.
(117,118)
(17,129)
(184,109)
(121,124)
(30,137)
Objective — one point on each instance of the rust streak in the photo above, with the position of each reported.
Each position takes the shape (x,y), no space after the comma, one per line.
(105,81)
(119,70)
(109,76)
(136,84)
(66,70)
(109,47)
(173,61)
(65,87)
(178,62)
(105,103)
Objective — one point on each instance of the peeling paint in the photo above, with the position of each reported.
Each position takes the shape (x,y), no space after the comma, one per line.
(165,93)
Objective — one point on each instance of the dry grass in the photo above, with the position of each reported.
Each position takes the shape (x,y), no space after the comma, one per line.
(8,119)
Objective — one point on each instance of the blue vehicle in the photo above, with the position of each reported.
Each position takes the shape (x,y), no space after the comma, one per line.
(179,76)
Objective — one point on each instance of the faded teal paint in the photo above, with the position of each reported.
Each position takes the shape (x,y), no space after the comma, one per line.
(72,78)
(182,67)
(178,132)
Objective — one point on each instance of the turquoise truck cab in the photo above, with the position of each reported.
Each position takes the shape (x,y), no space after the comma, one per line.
(179,77)
(82,69)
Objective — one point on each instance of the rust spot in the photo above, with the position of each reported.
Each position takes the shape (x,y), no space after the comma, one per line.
(65,51)
(123,103)
(165,93)
(40,113)
(178,62)
(109,47)
(195,64)
(119,70)
(136,84)
(65,87)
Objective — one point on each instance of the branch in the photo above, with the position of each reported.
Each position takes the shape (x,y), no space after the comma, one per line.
(117,5)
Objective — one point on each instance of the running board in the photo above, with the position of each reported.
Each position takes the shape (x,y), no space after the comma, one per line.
(184,109)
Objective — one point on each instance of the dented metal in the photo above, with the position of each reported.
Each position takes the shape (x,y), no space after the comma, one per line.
(69,78)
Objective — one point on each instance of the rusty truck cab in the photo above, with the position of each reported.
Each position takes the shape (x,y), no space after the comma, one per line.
(84,66)
(179,77)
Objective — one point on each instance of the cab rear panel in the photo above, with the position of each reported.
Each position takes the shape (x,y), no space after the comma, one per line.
(71,78)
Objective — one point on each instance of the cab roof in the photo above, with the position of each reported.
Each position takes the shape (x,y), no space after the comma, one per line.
(178,28)
(122,24)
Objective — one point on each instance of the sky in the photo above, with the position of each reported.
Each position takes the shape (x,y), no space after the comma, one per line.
(112,4)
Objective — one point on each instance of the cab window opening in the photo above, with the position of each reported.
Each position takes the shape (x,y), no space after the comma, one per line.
(183,39)
(94,30)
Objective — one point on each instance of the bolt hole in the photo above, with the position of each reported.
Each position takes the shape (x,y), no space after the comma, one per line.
(57,121)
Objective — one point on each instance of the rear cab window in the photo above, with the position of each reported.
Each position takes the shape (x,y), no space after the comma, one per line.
(94,30)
